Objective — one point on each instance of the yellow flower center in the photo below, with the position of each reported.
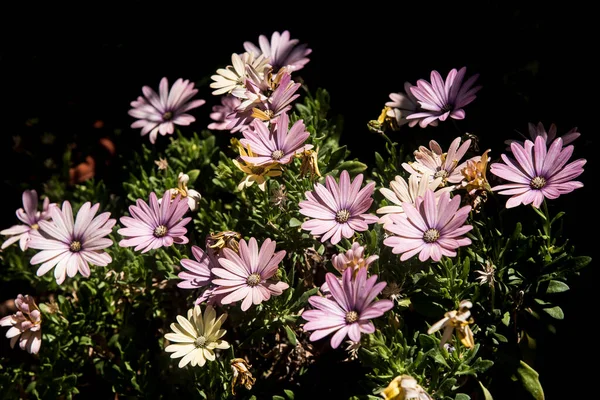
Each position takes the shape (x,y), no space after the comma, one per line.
(253,280)
(75,246)
(277,154)
(160,231)
(431,235)
(538,182)
(351,317)
(342,216)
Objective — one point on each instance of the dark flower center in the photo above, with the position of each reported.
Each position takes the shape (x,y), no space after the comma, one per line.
(441,173)
(200,341)
(538,182)
(75,246)
(253,280)
(342,216)
(447,107)
(257,170)
(351,317)
(167,116)
(431,235)
(277,154)
(160,231)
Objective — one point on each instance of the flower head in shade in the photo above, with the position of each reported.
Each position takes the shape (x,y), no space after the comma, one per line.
(160,112)
(219,113)
(404,387)
(249,274)
(401,191)
(458,320)
(432,227)
(441,99)
(537,172)
(283,93)
(72,246)
(30,216)
(353,258)
(197,274)
(155,225)
(25,325)
(435,162)
(233,77)
(349,310)
(275,145)
(337,211)
(254,172)
(549,136)
(195,339)
(403,104)
(281,51)
(190,195)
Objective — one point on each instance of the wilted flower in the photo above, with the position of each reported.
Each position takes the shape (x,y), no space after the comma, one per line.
(72,246)
(435,162)
(442,99)
(278,196)
(219,113)
(537,172)
(25,325)
(274,100)
(220,240)
(30,216)
(155,225)
(401,191)
(275,145)
(255,173)
(404,387)
(433,228)
(539,130)
(249,274)
(458,320)
(159,113)
(474,174)
(349,310)
(486,275)
(281,51)
(310,163)
(353,258)
(241,374)
(193,197)
(338,211)
(385,121)
(162,163)
(196,338)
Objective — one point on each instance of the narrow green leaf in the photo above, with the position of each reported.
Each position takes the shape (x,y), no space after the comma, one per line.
(291,335)
(462,396)
(557,287)
(555,312)
(353,167)
(335,158)
(193,174)
(529,378)
(506,318)
(289,394)
(486,393)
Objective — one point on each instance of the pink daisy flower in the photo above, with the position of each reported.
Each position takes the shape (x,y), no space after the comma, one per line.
(30,215)
(155,225)
(220,112)
(537,172)
(72,246)
(197,274)
(433,228)
(442,99)
(159,113)
(249,274)
(349,310)
(403,104)
(279,146)
(539,130)
(25,325)
(281,51)
(337,211)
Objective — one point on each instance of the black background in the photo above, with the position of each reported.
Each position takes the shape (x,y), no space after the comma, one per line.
(70,66)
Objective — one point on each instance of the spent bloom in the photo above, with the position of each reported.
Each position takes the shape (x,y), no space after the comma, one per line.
(337,211)
(275,145)
(474,174)
(436,163)
(441,99)
(192,196)
(30,216)
(72,246)
(353,258)
(160,112)
(249,274)
(254,172)
(402,191)
(537,172)
(281,51)
(404,387)
(195,339)
(25,325)
(458,320)
(433,228)
(155,225)
(241,374)
(549,136)
(349,310)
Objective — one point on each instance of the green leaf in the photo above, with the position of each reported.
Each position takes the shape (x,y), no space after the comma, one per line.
(289,394)
(291,335)
(506,318)
(335,158)
(581,262)
(557,287)
(353,167)
(193,174)
(277,397)
(486,393)
(462,396)
(529,378)
(555,312)
(294,222)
